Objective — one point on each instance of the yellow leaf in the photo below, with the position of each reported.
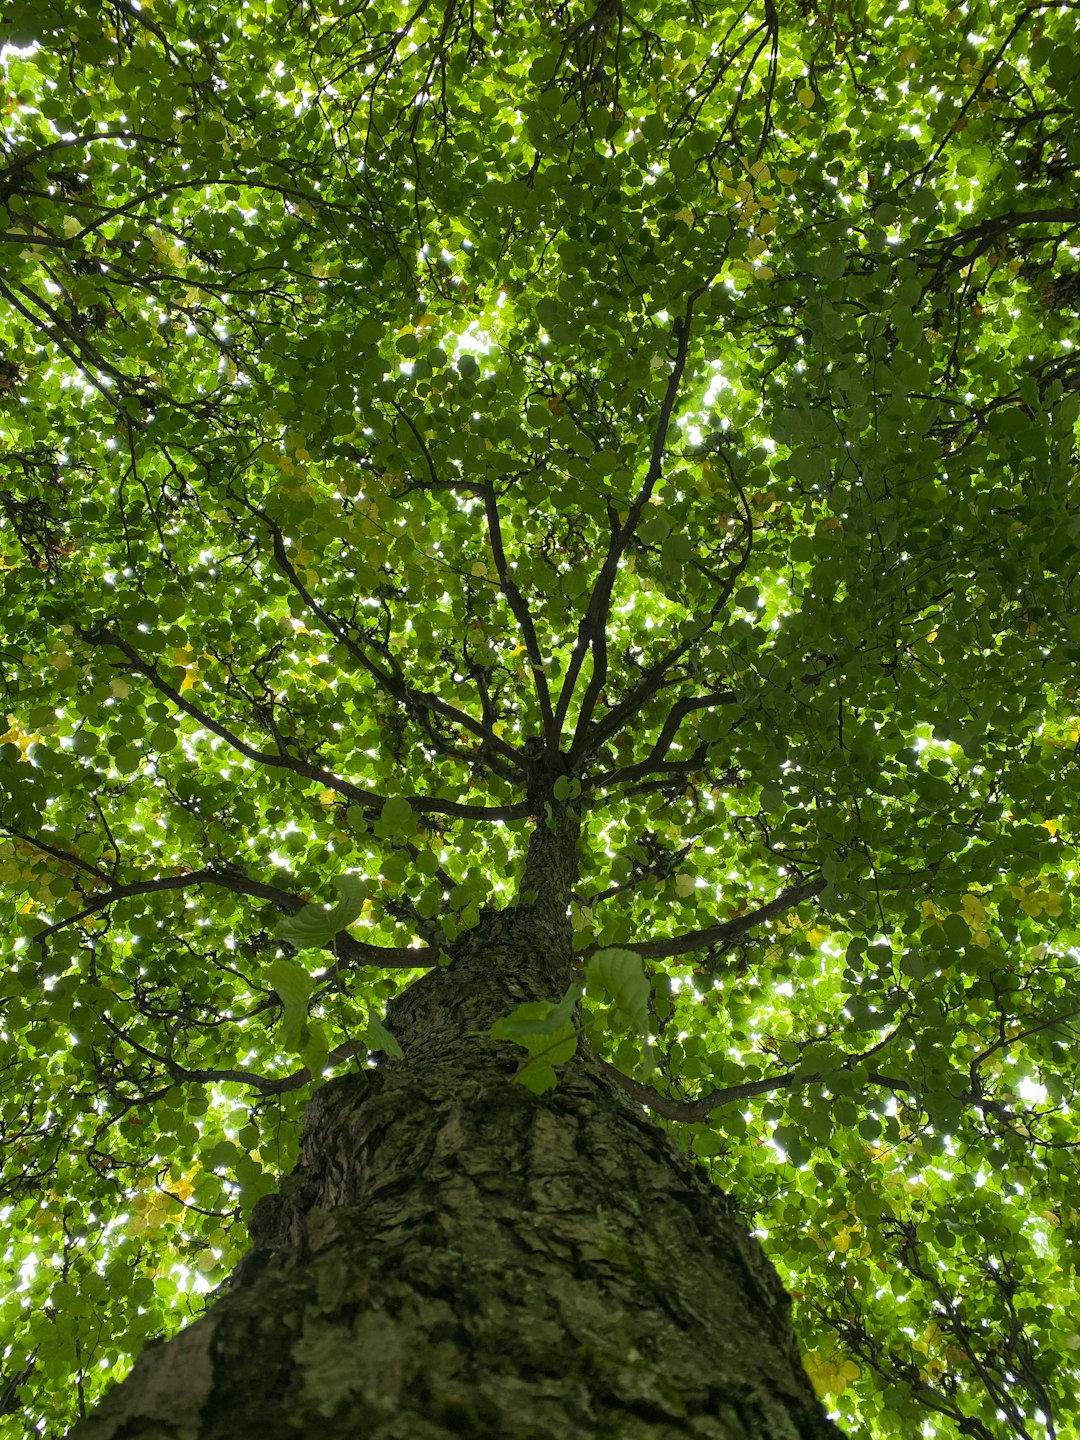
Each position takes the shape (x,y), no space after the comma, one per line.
(974,911)
(845,1373)
(158,1213)
(930,1338)
(842,1239)
(806,97)
(685,885)
(18,736)
(829,1374)
(1051,826)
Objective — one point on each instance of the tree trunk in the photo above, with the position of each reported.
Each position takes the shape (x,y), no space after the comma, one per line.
(455,1256)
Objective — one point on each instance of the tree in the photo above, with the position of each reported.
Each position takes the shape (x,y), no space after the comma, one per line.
(598,488)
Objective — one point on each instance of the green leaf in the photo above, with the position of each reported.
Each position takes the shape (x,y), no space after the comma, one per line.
(380,1038)
(537,1018)
(397,815)
(291,981)
(294,986)
(566,787)
(547,1032)
(315,925)
(622,974)
(538,1073)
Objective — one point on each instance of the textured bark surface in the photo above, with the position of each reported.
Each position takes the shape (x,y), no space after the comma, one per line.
(454,1256)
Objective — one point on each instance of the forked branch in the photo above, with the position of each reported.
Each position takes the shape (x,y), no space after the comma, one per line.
(592,631)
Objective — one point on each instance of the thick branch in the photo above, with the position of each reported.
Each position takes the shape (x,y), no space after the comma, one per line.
(181,1075)
(987,231)
(366,799)
(694,1111)
(725,935)
(698,1111)
(346,946)
(654,761)
(392,680)
(81,355)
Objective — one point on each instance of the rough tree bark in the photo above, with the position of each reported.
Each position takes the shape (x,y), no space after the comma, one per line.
(455,1256)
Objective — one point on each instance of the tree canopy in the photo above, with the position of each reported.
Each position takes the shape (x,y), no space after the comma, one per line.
(394,396)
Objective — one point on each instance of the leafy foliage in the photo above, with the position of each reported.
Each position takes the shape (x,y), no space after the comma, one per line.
(393,405)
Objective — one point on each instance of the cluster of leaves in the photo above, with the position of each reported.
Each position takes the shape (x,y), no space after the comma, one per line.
(392,403)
